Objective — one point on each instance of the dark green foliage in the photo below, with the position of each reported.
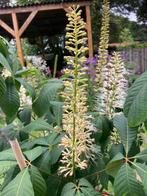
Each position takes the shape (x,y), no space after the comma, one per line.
(20,185)
(39,184)
(127,135)
(81,188)
(126,184)
(2,87)
(25,116)
(47,94)
(10,100)
(135,106)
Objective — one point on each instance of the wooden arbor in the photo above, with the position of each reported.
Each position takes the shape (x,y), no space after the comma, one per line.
(25,21)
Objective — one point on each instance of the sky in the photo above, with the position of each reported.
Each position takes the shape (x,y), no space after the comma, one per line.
(132,17)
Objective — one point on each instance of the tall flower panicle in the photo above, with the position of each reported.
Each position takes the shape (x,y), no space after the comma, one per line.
(77,142)
(103,45)
(113,93)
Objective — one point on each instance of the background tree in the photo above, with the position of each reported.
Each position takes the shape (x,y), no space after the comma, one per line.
(126,36)
(118,23)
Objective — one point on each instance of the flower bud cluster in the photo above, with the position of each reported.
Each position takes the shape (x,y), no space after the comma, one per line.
(77,142)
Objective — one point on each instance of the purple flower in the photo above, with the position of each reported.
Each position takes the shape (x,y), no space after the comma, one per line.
(91,61)
(91,64)
(47,71)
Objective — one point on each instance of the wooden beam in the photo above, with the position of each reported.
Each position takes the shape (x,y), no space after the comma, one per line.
(41,7)
(27,22)
(17,37)
(89,30)
(7,28)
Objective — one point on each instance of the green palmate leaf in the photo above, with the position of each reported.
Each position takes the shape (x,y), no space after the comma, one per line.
(47,94)
(126,183)
(127,135)
(38,125)
(34,153)
(48,158)
(81,188)
(10,101)
(27,86)
(5,63)
(141,156)
(6,165)
(2,87)
(135,107)
(25,116)
(20,186)
(114,165)
(142,172)
(39,184)
(115,149)
(52,152)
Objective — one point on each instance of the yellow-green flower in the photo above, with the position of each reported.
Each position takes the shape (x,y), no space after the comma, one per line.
(77,142)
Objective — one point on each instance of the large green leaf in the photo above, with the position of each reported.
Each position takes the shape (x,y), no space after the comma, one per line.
(10,101)
(47,94)
(7,155)
(126,183)
(52,152)
(38,125)
(25,115)
(39,184)
(135,107)
(115,149)
(4,47)
(52,182)
(142,172)
(2,87)
(5,63)
(141,156)
(127,135)
(27,86)
(57,108)
(34,153)
(20,186)
(5,165)
(81,188)
(114,165)
(9,176)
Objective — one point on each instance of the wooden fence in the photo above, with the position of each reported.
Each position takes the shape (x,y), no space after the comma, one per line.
(136,57)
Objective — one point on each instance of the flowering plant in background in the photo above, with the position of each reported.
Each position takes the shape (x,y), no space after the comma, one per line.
(24,99)
(91,67)
(39,63)
(115,85)
(103,45)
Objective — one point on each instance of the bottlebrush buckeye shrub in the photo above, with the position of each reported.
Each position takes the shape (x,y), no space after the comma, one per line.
(58,145)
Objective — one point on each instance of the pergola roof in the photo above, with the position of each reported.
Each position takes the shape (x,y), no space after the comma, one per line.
(49,20)
(35,19)
(4,4)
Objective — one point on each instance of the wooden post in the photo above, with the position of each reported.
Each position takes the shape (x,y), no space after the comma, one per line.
(89,30)
(17,37)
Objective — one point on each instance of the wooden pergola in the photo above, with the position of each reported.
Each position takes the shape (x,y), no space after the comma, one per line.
(40,19)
